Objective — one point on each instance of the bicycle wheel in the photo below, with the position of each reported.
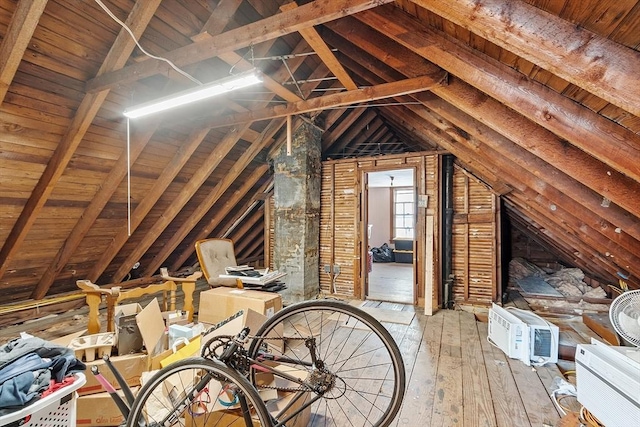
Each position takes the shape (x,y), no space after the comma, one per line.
(198,392)
(355,376)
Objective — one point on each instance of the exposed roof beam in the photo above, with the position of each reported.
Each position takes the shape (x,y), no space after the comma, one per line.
(515,166)
(615,145)
(106,191)
(182,156)
(349,116)
(372,93)
(23,23)
(326,55)
(221,16)
(507,89)
(355,126)
(120,51)
(469,100)
(594,63)
(308,15)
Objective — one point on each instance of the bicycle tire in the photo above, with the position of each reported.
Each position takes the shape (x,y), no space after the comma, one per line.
(352,400)
(218,403)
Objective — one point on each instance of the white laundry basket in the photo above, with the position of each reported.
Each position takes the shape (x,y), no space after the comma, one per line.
(55,410)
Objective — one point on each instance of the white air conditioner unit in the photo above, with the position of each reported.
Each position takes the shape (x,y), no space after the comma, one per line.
(608,383)
(523,335)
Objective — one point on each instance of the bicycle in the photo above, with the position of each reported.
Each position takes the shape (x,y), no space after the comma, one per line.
(316,363)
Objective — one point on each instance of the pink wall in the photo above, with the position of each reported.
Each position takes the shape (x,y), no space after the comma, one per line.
(380,216)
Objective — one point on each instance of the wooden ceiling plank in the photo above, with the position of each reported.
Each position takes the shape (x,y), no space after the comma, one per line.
(91,212)
(223,212)
(139,17)
(354,129)
(449,54)
(202,209)
(592,133)
(166,177)
(372,93)
(324,52)
(592,62)
(308,15)
(248,232)
(15,41)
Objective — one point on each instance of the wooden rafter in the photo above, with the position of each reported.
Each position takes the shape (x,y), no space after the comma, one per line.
(515,171)
(222,213)
(467,101)
(417,84)
(139,17)
(15,41)
(99,201)
(594,63)
(211,198)
(314,13)
(324,52)
(582,127)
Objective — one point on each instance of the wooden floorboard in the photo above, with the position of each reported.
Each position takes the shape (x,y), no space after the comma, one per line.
(447,405)
(421,389)
(477,404)
(507,403)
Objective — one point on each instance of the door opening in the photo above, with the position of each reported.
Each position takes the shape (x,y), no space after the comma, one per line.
(390,215)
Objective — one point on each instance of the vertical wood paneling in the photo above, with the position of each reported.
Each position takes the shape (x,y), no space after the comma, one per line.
(341,228)
(475,234)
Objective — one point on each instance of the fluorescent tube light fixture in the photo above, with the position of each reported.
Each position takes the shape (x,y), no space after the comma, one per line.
(199,93)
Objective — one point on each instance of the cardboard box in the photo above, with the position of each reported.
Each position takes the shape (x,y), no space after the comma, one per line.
(253,320)
(220,303)
(130,366)
(98,410)
(176,317)
(276,401)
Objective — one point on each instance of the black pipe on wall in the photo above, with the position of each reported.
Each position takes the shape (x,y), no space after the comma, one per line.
(447,231)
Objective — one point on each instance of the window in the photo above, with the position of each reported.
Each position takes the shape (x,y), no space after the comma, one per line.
(403,213)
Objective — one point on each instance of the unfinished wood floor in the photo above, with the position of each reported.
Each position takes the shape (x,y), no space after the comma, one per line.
(391,282)
(456,378)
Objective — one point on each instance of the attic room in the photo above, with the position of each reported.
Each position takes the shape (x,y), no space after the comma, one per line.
(437,164)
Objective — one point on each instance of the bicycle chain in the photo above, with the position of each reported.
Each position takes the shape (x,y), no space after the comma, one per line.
(251,337)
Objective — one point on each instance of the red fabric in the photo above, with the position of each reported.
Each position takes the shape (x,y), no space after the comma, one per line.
(54,386)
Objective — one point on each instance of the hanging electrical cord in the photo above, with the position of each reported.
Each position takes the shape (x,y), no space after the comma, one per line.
(128,178)
(159,58)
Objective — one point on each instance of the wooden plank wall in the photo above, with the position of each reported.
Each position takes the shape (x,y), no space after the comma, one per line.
(341,227)
(475,240)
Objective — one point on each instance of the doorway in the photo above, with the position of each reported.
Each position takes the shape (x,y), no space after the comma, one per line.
(390,218)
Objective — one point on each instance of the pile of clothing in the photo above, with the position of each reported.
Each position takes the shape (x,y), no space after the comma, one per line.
(30,368)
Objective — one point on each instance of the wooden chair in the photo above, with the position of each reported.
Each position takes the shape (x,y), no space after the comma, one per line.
(115,295)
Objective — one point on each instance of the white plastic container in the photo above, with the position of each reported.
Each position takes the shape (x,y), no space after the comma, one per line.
(55,410)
